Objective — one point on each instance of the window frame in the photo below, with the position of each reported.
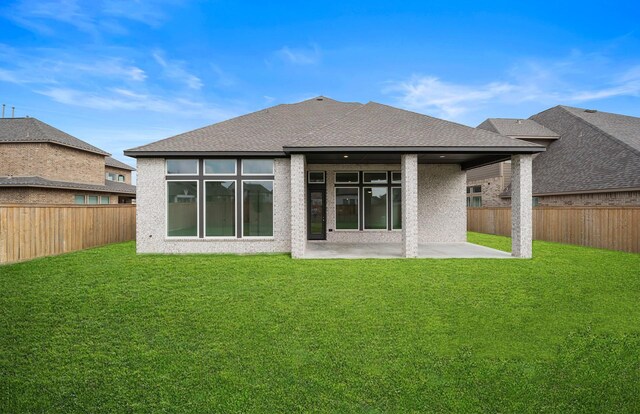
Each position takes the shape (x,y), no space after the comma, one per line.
(273,167)
(392,209)
(396,181)
(273,215)
(84,199)
(166,167)
(386,206)
(103,197)
(166,216)
(206,174)
(235,211)
(335,194)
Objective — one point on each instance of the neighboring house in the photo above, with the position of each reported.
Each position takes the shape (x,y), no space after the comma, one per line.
(40,164)
(486,185)
(278,179)
(594,162)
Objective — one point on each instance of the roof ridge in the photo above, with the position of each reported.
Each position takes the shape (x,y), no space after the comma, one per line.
(360,106)
(597,128)
(39,125)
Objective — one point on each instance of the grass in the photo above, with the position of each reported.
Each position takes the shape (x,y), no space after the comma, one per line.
(105,330)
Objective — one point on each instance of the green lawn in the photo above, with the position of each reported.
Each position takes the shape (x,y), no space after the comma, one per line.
(104,330)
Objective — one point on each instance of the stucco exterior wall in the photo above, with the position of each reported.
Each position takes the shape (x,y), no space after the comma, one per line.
(151,200)
(51,161)
(442,211)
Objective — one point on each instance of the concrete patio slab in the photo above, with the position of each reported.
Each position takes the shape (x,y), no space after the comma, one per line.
(325,250)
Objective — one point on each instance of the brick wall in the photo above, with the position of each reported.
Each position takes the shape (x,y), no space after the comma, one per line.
(118,171)
(491,190)
(27,195)
(623,198)
(51,161)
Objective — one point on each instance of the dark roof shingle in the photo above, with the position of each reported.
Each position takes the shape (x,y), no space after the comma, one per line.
(112,162)
(34,181)
(517,128)
(34,130)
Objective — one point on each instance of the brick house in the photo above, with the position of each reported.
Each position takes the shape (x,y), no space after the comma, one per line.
(322,176)
(40,164)
(592,159)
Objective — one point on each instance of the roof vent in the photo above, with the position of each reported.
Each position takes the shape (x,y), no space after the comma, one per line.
(591,111)
(319,99)
(519,121)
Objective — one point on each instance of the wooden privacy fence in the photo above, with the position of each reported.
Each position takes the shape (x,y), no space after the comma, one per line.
(30,231)
(615,228)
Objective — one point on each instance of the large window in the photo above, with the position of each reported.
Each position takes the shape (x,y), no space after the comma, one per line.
(257,208)
(223,197)
(347,212)
(220,208)
(375,208)
(396,208)
(182,208)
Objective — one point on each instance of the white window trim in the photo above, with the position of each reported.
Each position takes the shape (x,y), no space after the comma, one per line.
(273,217)
(273,167)
(166,213)
(392,228)
(235,212)
(166,168)
(364,217)
(233,174)
(335,207)
(386,182)
(348,172)
(394,181)
(324,177)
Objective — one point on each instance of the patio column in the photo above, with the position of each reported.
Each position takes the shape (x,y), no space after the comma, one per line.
(298,206)
(410,205)
(521,220)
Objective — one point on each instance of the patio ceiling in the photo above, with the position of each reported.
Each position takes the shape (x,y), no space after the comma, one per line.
(466,160)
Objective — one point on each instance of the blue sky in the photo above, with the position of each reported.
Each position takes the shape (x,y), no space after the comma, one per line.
(121,73)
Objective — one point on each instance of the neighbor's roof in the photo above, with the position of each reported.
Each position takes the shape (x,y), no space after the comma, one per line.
(376,125)
(623,128)
(39,182)
(513,127)
(325,124)
(596,152)
(33,130)
(112,162)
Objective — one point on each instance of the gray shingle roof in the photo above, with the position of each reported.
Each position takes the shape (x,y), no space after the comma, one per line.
(112,162)
(620,127)
(517,128)
(377,125)
(326,123)
(108,187)
(34,130)
(267,130)
(596,152)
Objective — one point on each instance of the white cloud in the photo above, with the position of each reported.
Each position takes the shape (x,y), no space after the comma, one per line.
(123,99)
(300,56)
(574,80)
(175,70)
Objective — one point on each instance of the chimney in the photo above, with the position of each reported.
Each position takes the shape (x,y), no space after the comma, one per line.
(13,111)
(3,105)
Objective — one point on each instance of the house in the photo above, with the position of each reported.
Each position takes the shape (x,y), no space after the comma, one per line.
(321,174)
(486,185)
(40,164)
(594,159)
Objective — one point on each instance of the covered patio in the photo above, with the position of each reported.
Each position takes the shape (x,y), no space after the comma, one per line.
(327,250)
